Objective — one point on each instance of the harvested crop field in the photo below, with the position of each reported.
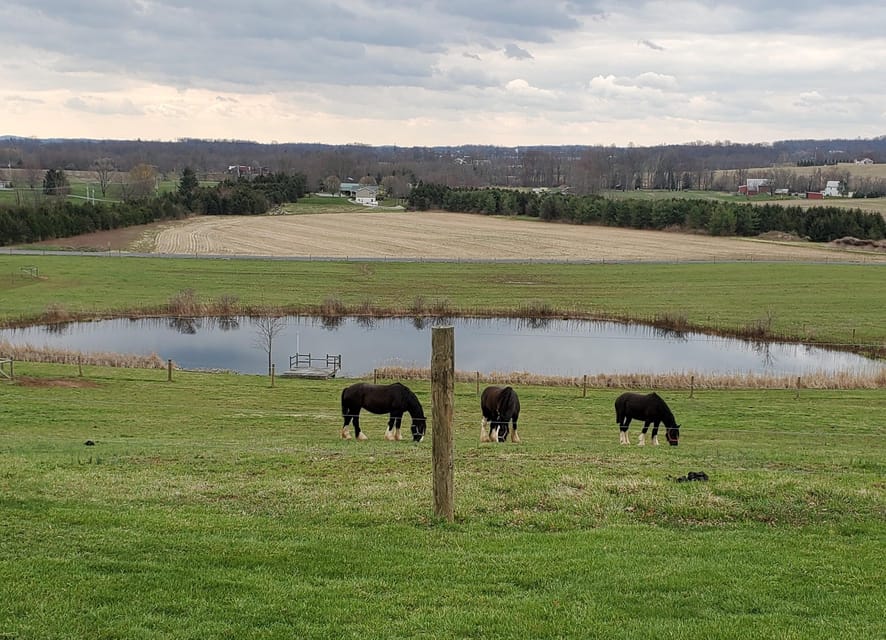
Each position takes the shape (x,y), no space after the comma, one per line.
(439,235)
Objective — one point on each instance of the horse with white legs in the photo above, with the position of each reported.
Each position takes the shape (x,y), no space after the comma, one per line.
(501,409)
(395,399)
(651,409)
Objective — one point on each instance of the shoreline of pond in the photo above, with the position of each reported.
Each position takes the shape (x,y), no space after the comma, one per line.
(332,312)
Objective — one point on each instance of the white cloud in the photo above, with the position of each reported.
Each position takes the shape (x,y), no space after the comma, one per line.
(444,72)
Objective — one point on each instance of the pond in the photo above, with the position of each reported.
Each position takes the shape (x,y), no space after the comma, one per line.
(543,347)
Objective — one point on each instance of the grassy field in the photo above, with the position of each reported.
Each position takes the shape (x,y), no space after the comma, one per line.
(822,303)
(217,506)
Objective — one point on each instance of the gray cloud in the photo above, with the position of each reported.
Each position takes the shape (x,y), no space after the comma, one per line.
(652,45)
(517,53)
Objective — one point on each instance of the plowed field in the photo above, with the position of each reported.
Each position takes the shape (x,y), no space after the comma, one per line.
(437,235)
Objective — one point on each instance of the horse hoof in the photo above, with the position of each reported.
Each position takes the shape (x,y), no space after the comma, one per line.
(362,436)
(345,435)
(389,436)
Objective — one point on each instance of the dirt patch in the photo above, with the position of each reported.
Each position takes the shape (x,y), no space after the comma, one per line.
(781,236)
(872,245)
(70,383)
(137,238)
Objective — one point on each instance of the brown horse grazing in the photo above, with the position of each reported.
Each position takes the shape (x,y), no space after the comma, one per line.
(500,407)
(395,399)
(651,409)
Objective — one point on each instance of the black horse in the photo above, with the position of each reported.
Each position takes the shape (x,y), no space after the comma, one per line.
(651,409)
(395,399)
(500,407)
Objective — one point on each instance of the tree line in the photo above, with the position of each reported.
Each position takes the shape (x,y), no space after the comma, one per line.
(819,224)
(57,217)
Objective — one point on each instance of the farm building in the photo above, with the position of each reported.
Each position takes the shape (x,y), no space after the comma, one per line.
(366,194)
(754,186)
(348,189)
(832,189)
(814,195)
(864,161)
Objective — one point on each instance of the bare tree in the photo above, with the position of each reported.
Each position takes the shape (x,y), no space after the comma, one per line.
(332,184)
(142,182)
(104,168)
(267,328)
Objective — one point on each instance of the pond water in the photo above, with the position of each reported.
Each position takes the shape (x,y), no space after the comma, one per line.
(544,347)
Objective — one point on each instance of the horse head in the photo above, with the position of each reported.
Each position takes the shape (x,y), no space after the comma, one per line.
(419,425)
(673,435)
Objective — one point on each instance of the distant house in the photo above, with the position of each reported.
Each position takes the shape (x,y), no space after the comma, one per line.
(864,161)
(814,195)
(755,186)
(367,194)
(832,189)
(348,189)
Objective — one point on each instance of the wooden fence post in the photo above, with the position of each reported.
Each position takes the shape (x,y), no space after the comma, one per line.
(442,391)
(798,388)
(691,385)
(79,366)
(375,376)
(584,386)
(169,370)
(478,383)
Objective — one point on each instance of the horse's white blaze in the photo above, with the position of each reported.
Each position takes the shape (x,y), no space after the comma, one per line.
(641,441)
(362,436)
(345,435)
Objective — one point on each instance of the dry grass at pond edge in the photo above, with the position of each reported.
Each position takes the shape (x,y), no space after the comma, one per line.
(684,380)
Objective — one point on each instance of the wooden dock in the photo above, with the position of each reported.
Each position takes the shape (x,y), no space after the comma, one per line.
(304,365)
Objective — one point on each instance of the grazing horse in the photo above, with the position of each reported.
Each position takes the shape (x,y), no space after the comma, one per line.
(395,399)
(651,409)
(500,407)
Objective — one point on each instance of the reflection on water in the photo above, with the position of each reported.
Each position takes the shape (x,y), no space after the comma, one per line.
(544,346)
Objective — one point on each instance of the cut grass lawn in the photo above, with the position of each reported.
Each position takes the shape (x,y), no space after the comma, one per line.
(215,505)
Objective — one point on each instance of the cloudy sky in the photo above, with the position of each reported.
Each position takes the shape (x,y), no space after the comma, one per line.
(447,72)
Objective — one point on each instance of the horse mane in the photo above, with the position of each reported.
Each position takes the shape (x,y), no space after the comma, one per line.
(413,406)
(506,398)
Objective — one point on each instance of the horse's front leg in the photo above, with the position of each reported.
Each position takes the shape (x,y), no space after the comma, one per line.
(655,433)
(389,434)
(484,429)
(641,441)
(397,422)
(347,420)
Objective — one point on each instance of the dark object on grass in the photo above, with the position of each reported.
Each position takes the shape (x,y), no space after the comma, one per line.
(693,475)
(89,443)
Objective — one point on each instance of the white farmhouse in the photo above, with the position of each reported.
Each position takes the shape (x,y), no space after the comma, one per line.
(832,188)
(367,194)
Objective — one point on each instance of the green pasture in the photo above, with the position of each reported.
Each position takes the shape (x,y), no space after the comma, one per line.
(218,506)
(821,303)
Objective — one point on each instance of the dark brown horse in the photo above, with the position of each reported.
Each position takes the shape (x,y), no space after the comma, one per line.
(501,408)
(395,399)
(651,409)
